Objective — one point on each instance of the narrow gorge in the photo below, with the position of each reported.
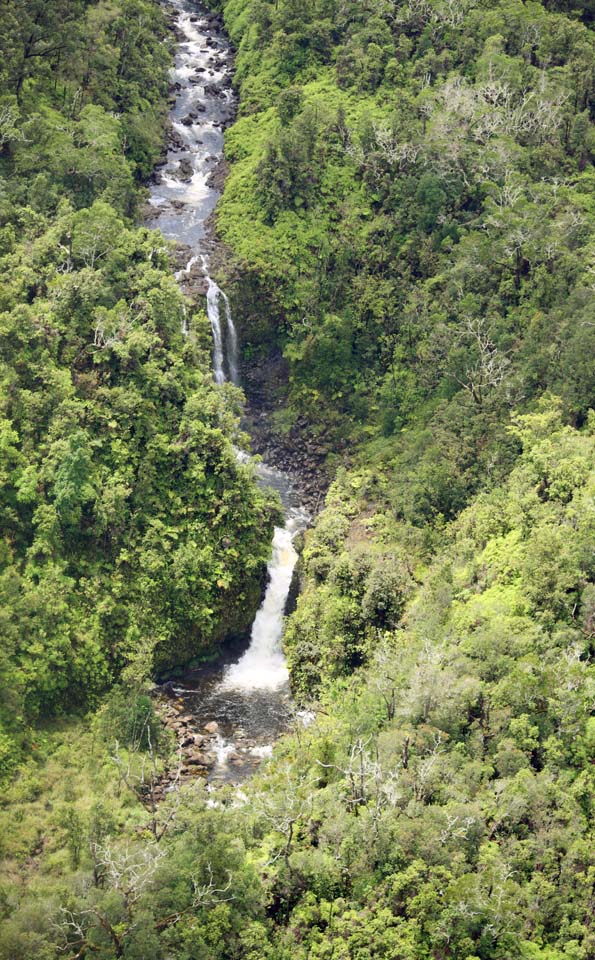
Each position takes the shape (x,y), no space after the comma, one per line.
(226,715)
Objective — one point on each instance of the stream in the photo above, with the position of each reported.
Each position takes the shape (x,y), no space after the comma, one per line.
(239,705)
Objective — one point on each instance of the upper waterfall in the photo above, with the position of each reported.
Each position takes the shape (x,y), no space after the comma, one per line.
(225,339)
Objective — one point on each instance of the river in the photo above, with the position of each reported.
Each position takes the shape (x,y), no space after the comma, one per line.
(244,697)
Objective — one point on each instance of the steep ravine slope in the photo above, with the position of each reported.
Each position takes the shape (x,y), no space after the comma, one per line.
(409,206)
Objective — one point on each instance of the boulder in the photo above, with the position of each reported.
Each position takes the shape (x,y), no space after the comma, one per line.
(185,170)
(195,760)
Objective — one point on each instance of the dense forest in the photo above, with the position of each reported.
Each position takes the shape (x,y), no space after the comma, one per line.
(408,225)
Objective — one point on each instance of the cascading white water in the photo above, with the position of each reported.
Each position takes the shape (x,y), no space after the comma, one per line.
(249,699)
(232,343)
(225,344)
(213,296)
(263,665)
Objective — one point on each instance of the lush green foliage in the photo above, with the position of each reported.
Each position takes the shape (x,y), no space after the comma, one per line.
(131,537)
(410,203)
(440,805)
(411,195)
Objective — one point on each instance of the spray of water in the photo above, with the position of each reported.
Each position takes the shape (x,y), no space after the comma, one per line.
(225,342)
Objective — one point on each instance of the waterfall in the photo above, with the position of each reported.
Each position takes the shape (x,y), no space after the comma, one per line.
(213,296)
(263,664)
(225,344)
(248,699)
(232,343)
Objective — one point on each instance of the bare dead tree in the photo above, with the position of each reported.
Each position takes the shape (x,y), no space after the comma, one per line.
(285,812)
(141,773)
(203,895)
(108,333)
(357,771)
(456,828)
(131,873)
(423,770)
(490,367)
(10,131)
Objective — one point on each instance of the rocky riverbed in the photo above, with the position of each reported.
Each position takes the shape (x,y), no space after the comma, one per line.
(197,749)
